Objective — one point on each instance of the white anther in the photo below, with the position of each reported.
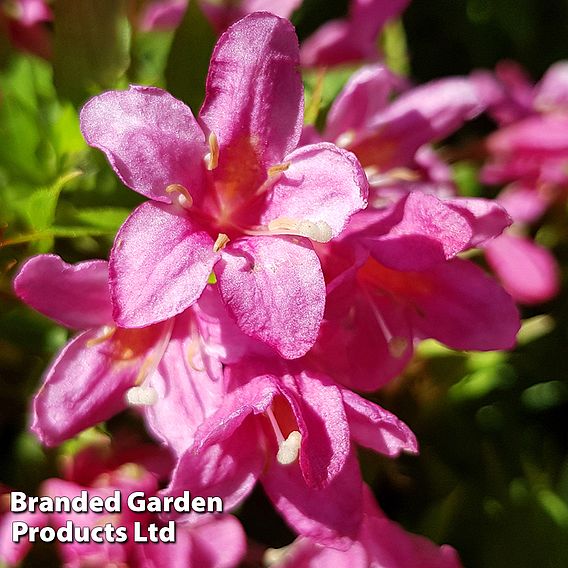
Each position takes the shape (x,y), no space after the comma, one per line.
(289,448)
(180,194)
(345,139)
(141,396)
(221,242)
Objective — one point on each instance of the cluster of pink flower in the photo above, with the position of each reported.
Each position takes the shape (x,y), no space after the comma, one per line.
(275,268)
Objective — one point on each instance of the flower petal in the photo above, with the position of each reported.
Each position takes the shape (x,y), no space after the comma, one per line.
(323,183)
(159,265)
(150,138)
(464,308)
(73,295)
(527,271)
(366,93)
(254,91)
(88,381)
(187,394)
(228,469)
(376,428)
(329,515)
(417,232)
(274,289)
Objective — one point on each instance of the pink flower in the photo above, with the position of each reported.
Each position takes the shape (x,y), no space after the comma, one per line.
(380,542)
(354,38)
(215,541)
(246,205)
(167,14)
(293,429)
(104,368)
(25,20)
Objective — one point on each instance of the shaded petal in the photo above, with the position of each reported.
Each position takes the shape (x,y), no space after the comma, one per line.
(73,295)
(323,183)
(159,265)
(487,218)
(367,341)
(388,544)
(424,114)
(462,307)
(417,232)
(528,271)
(329,515)
(150,138)
(87,382)
(366,93)
(551,94)
(12,553)
(323,425)
(228,469)
(274,289)
(220,543)
(163,15)
(524,203)
(187,394)
(376,428)
(254,91)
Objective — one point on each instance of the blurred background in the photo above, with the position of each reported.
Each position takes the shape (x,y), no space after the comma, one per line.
(492,476)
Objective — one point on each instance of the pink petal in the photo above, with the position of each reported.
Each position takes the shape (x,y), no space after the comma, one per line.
(254,93)
(12,553)
(366,93)
(323,183)
(459,305)
(527,271)
(150,138)
(88,381)
(367,342)
(228,469)
(274,289)
(418,232)
(329,515)
(75,296)
(220,543)
(376,428)
(187,394)
(159,265)
(323,425)
(163,15)
(487,218)
(552,91)
(424,114)
(524,203)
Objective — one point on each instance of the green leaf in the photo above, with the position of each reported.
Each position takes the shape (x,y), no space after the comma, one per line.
(188,62)
(92,42)
(108,218)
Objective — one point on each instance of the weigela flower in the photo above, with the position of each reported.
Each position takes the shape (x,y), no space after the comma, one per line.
(228,193)
(352,39)
(380,542)
(104,368)
(215,541)
(25,21)
(293,429)
(167,14)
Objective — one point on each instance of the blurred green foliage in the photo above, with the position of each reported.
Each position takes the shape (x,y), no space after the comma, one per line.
(492,477)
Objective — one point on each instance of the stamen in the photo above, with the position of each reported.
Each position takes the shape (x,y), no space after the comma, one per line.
(289,449)
(151,363)
(278,169)
(396,344)
(221,242)
(107,331)
(141,396)
(181,194)
(345,139)
(212,158)
(318,231)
